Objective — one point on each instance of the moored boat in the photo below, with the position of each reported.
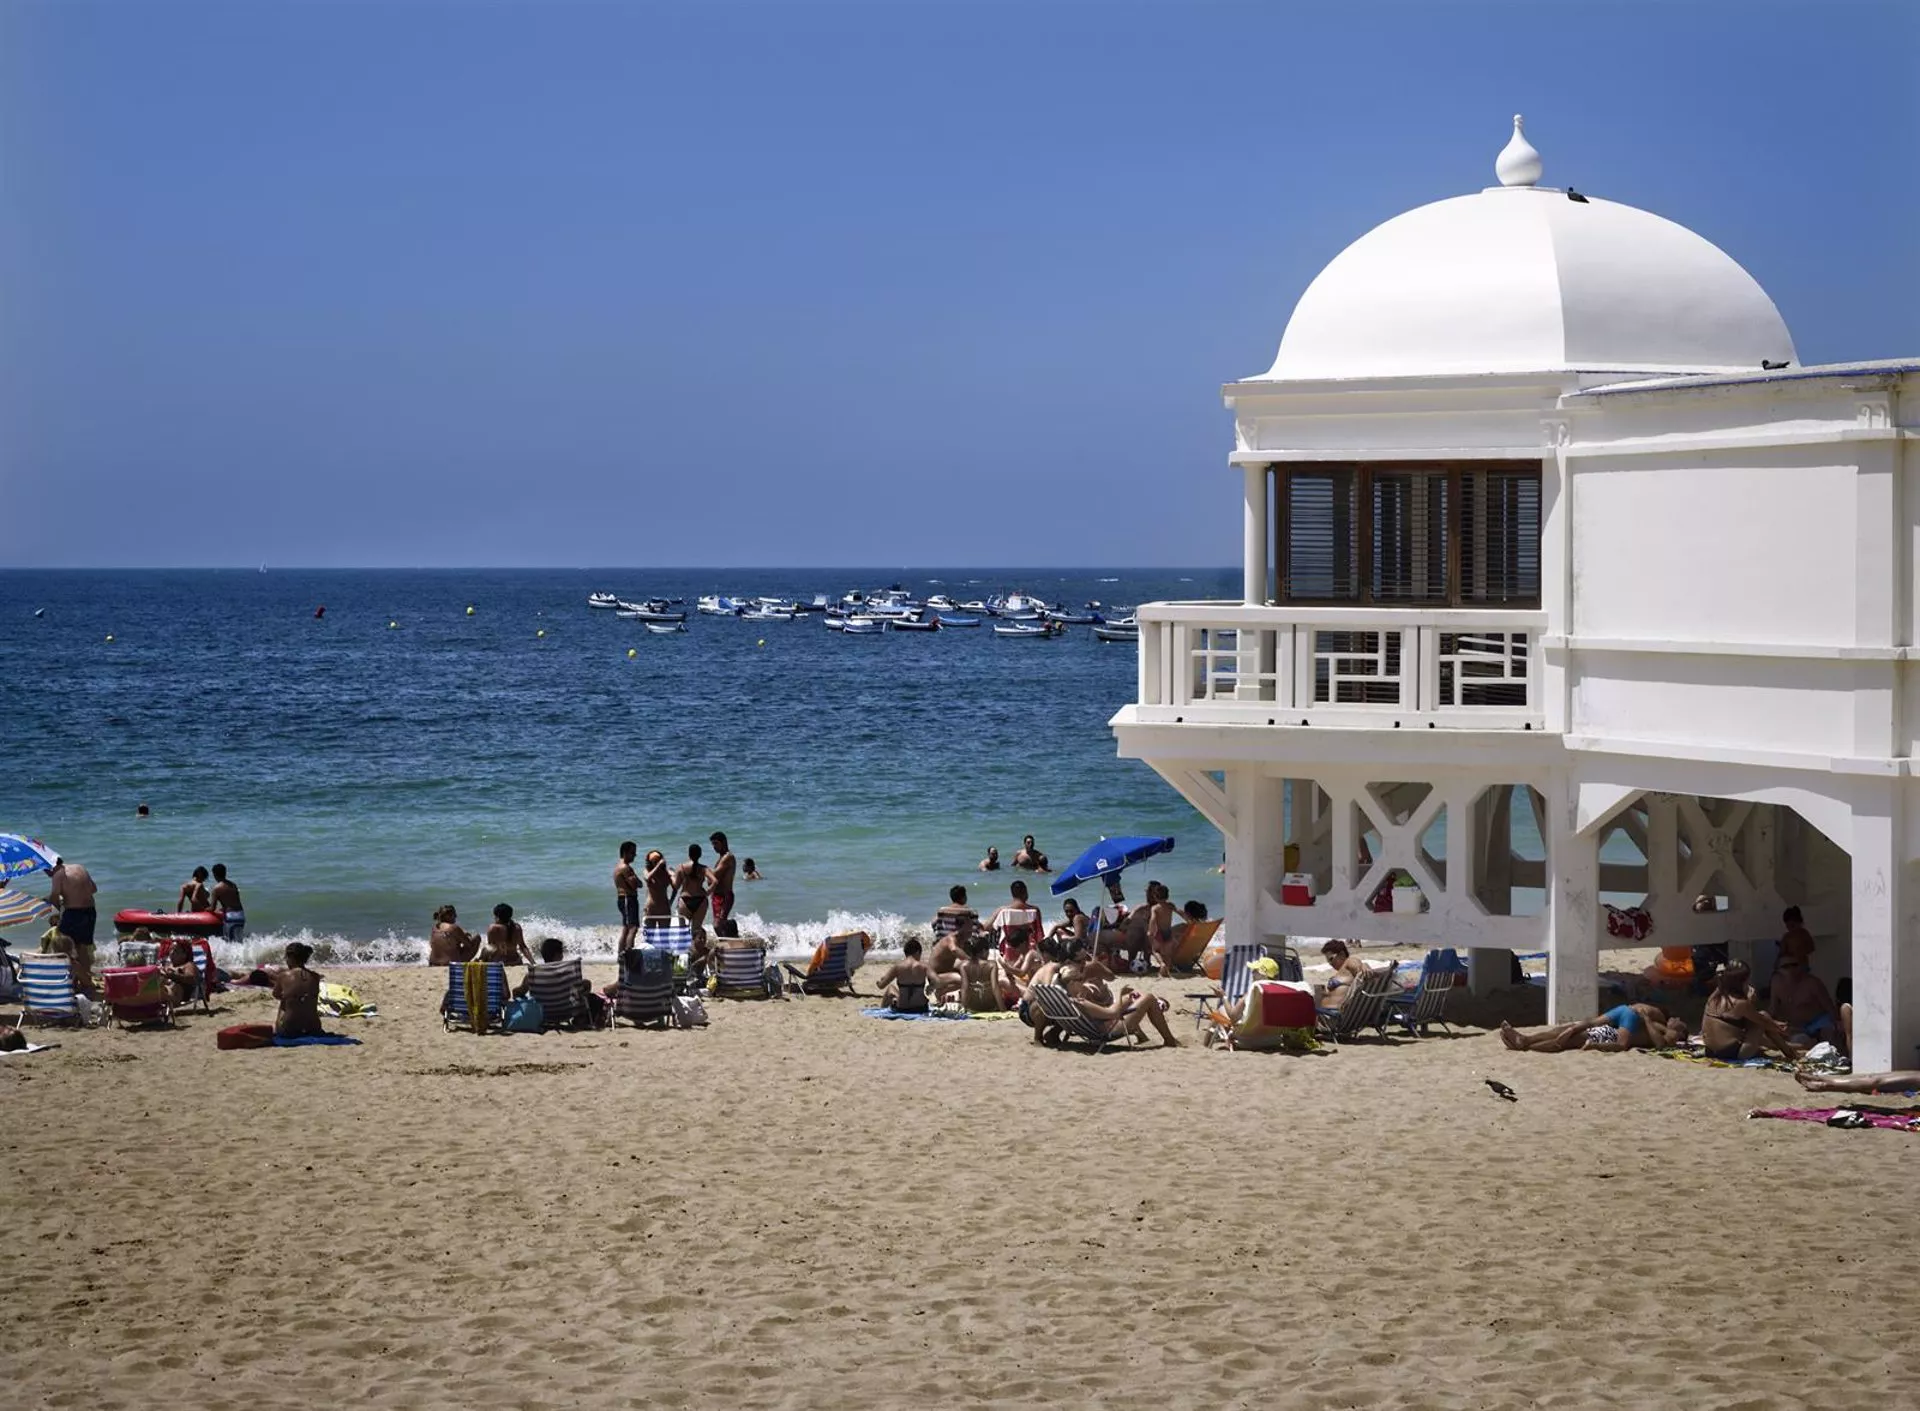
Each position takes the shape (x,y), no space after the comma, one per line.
(602,600)
(664,628)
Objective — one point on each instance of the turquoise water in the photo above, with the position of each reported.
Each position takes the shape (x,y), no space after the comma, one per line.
(353,775)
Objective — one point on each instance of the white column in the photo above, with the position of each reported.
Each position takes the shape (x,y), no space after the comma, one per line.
(1254,552)
(1255,852)
(1886,938)
(1573,912)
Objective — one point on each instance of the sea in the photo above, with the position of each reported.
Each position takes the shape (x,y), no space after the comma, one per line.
(480,736)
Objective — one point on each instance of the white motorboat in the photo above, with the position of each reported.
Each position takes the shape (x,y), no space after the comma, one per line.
(914,624)
(1022,629)
(602,600)
(664,628)
(718,605)
(940,602)
(766,615)
(862,626)
(1116,633)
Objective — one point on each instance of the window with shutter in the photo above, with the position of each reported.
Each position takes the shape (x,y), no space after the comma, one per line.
(1322,535)
(1409,538)
(1499,536)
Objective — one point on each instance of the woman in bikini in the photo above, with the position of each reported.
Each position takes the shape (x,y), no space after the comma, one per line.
(690,885)
(505,945)
(1072,925)
(659,883)
(451,943)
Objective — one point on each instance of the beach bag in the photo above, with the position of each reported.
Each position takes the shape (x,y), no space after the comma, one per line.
(525,1016)
(244,1036)
(689,1012)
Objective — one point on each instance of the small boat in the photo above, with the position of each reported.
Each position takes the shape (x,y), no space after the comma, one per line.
(914,624)
(862,626)
(975,606)
(819,604)
(718,605)
(602,600)
(663,628)
(940,602)
(1117,634)
(1069,619)
(1022,629)
(766,615)
(952,620)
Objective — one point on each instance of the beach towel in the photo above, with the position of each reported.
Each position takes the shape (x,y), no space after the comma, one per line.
(883,1013)
(1888,1118)
(305,1039)
(473,981)
(339,1002)
(30,1048)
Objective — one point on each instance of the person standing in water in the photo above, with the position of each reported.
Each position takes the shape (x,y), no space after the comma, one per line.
(721,886)
(690,881)
(226,901)
(626,895)
(193,893)
(659,883)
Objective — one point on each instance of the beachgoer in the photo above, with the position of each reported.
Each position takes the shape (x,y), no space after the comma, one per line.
(178,971)
(226,901)
(298,990)
(1030,858)
(1072,925)
(1735,1027)
(750,873)
(659,886)
(142,811)
(1018,923)
(72,895)
(690,886)
(991,862)
(1125,1015)
(948,917)
(450,943)
(904,984)
(1081,975)
(1907,1082)
(1800,1000)
(720,886)
(1150,928)
(1797,941)
(1348,971)
(981,983)
(193,893)
(626,895)
(953,927)
(1623,1027)
(505,943)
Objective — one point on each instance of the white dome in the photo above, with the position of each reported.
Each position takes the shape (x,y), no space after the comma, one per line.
(1521,279)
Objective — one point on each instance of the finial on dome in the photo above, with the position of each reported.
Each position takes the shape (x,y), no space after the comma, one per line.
(1518,163)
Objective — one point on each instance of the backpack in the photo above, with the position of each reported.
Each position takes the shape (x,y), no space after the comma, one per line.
(525,1016)
(689,1012)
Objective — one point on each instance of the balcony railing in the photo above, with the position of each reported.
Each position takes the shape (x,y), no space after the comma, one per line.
(1224,662)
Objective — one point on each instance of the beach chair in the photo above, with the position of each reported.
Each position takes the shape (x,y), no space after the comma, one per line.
(1190,942)
(1276,1014)
(202,961)
(456,1012)
(561,990)
(1063,1014)
(1234,978)
(832,972)
(1013,927)
(46,989)
(671,934)
(644,994)
(1363,1008)
(743,973)
(1426,1003)
(136,995)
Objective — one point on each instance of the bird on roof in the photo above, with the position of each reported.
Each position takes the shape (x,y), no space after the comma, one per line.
(1573,195)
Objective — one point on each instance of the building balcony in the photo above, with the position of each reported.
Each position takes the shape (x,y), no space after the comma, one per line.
(1220,663)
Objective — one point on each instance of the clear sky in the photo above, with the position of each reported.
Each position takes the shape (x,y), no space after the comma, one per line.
(811,284)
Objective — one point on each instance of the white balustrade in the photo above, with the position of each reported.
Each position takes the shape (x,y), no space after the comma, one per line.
(1232,662)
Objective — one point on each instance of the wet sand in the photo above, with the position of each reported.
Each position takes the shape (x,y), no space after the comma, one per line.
(802,1207)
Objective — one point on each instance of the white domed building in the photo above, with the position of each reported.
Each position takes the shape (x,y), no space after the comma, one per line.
(1573,605)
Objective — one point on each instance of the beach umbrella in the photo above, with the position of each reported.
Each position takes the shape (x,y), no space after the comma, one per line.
(21,857)
(1106,857)
(17,908)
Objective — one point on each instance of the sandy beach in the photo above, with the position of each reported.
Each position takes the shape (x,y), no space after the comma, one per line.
(800,1206)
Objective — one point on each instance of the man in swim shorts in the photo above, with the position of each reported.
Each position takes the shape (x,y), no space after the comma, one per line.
(226,901)
(626,895)
(1623,1027)
(73,896)
(1800,1000)
(720,886)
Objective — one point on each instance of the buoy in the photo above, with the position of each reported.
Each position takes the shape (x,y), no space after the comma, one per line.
(631,652)
(541,633)
(469,609)
(763,641)
(109,636)
(39,612)
(391,625)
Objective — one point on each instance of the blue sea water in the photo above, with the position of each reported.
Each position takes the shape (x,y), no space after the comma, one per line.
(354,774)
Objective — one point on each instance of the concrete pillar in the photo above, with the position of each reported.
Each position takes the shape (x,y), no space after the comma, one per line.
(1886,937)
(1254,552)
(1573,912)
(1255,852)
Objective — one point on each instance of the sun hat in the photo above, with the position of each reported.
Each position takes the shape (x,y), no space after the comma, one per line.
(1266,967)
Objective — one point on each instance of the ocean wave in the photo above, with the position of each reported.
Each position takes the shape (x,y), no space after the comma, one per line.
(788,940)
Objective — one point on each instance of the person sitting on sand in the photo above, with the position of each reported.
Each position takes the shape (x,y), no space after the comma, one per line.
(1623,1027)
(1907,1082)
(1800,1000)
(948,917)
(991,862)
(949,954)
(505,944)
(981,983)
(298,990)
(904,984)
(1736,1028)
(193,893)
(1796,943)
(1029,858)
(179,972)
(1019,922)
(1348,971)
(1073,923)
(450,943)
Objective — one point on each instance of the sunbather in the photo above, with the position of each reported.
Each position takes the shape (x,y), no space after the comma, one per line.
(450,943)
(905,983)
(506,944)
(1623,1027)
(178,972)
(1800,1000)
(1072,925)
(950,950)
(1908,1082)
(298,990)
(1128,1012)
(1081,975)
(1348,971)
(982,986)
(1735,1027)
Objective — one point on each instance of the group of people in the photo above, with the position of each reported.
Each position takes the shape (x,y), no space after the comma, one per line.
(1028,858)
(695,891)
(223,897)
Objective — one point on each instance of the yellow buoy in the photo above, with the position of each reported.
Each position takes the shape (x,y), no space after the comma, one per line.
(631,652)
(763,641)
(392,625)
(109,636)
(541,633)
(469,609)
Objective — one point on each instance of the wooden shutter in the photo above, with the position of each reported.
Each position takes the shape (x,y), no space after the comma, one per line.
(1409,536)
(1500,536)
(1322,535)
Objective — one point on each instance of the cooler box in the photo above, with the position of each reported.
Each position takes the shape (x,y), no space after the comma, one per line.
(1296,889)
(1273,1004)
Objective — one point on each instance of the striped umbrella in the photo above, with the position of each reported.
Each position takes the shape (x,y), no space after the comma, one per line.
(17,907)
(20,857)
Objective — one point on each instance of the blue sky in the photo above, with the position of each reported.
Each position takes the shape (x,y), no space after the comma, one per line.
(733,284)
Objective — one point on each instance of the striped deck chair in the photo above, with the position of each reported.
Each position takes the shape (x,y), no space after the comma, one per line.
(1363,1008)
(46,989)
(834,973)
(743,971)
(671,934)
(1224,997)
(457,1013)
(644,994)
(1063,1014)
(561,990)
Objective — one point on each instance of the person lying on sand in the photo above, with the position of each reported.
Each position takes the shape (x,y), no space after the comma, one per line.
(1908,1082)
(506,944)
(298,990)
(1623,1027)
(1735,1027)
(905,983)
(450,943)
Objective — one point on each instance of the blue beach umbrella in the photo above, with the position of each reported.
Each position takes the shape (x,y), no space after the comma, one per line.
(17,908)
(21,857)
(1106,857)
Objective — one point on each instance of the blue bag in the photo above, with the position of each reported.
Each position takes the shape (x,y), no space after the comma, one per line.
(525,1016)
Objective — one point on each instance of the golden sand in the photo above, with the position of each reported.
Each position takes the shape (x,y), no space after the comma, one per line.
(802,1207)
